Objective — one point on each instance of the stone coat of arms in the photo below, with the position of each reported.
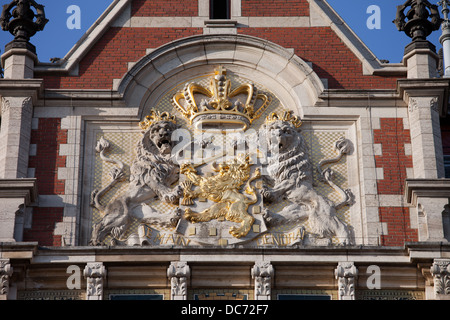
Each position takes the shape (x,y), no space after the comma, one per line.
(221,185)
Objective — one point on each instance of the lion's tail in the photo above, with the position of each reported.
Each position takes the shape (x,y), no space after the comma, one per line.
(249,189)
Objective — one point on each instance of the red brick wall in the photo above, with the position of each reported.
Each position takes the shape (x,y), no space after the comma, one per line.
(275,8)
(109,57)
(43,226)
(331,58)
(398,226)
(394,162)
(107,60)
(168,8)
(48,138)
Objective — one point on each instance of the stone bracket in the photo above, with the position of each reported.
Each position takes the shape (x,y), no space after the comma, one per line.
(440,270)
(178,274)
(94,273)
(347,275)
(262,273)
(5,273)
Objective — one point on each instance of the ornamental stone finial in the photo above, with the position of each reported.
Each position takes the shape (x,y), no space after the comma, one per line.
(22,21)
(421,19)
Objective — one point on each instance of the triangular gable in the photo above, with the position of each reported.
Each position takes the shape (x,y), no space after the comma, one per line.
(118,14)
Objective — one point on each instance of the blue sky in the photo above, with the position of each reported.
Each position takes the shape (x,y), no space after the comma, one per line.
(56,39)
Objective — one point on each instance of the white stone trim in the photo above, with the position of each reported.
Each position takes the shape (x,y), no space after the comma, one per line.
(236,8)
(203,8)
(248,54)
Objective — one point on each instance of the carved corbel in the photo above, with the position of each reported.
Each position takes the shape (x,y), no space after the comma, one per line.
(178,274)
(440,270)
(94,273)
(347,274)
(5,273)
(262,273)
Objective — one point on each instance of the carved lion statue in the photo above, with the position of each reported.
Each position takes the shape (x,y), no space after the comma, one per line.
(290,178)
(152,174)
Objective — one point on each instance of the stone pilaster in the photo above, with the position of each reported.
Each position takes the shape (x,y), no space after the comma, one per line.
(5,273)
(440,270)
(178,274)
(94,272)
(426,191)
(426,141)
(15,136)
(347,275)
(262,273)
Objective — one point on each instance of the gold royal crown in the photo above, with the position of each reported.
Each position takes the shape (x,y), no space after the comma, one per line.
(286,116)
(156,116)
(218,111)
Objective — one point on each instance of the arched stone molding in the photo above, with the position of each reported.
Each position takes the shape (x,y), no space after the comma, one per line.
(293,81)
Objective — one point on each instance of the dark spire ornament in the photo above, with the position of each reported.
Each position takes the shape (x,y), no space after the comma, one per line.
(22,22)
(418,23)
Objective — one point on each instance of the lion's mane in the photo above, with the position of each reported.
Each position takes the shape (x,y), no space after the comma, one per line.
(293,166)
(150,167)
(294,162)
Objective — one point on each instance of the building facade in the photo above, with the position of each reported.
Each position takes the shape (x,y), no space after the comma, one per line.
(241,149)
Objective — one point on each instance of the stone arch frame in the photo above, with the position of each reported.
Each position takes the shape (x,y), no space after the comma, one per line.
(293,81)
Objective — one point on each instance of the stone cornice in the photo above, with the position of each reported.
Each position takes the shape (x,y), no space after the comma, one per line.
(19,188)
(426,88)
(411,252)
(21,88)
(428,188)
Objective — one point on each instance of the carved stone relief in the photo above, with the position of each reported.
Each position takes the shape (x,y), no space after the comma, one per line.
(243,179)
(5,273)
(440,270)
